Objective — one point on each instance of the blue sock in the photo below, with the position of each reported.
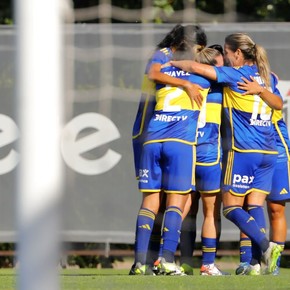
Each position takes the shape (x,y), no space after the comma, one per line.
(171,232)
(245,250)
(208,250)
(144,226)
(257,212)
(155,240)
(247,224)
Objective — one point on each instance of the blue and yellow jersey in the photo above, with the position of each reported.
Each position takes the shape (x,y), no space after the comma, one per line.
(148,90)
(281,136)
(281,133)
(248,124)
(208,149)
(175,118)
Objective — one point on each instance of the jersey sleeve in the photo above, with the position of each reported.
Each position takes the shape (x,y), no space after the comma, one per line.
(161,56)
(274,84)
(227,75)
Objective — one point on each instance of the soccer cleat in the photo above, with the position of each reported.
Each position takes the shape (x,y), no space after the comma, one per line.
(246,269)
(271,257)
(276,271)
(170,269)
(243,268)
(139,269)
(156,267)
(211,270)
(254,270)
(188,270)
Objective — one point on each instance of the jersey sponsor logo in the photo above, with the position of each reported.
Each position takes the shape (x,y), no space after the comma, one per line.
(143,180)
(243,180)
(177,73)
(143,175)
(166,118)
(260,123)
(200,134)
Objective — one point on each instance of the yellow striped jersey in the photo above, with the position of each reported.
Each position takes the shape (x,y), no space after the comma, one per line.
(247,119)
(282,136)
(175,117)
(208,149)
(148,89)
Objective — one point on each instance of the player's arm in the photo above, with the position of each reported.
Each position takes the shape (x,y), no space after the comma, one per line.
(193,90)
(254,88)
(205,70)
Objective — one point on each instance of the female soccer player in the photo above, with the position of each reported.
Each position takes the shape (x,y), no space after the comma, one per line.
(280,192)
(250,153)
(168,160)
(181,38)
(208,176)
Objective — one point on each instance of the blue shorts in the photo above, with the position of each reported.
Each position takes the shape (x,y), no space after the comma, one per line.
(169,166)
(280,184)
(245,172)
(208,178)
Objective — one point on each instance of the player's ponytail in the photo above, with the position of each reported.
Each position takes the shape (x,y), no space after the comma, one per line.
(263,65)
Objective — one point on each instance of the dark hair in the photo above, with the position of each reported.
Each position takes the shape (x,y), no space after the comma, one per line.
(184,37)
(183,55)
(218,47)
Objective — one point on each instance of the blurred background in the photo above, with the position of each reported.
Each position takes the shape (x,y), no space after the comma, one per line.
(107,44)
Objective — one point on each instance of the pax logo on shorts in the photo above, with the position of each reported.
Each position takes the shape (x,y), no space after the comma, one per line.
(143,173)
(237,178)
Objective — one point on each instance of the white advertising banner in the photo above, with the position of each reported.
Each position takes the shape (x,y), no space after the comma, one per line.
(101,197)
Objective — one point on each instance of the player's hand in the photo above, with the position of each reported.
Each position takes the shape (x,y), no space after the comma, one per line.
(193,91)
(250,87)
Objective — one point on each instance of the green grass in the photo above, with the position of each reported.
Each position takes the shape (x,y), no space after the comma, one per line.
(107,279)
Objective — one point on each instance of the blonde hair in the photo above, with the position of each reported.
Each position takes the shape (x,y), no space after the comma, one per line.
(207,56)
(251,51)
(197,48)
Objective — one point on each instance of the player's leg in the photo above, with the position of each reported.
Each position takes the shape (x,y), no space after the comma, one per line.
(150,184)
(276,204)
(155,245)
(233,210)
(178,177)
(208,184)
(246,177)
(245,255)
(278,226)
(210,234)
(188,233)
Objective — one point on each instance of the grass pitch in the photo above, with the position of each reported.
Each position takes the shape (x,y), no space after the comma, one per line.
(107,279)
